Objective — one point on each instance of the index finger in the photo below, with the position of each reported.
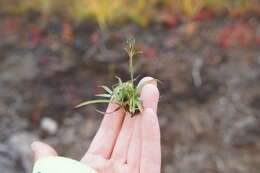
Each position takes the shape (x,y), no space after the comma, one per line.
(104,141)
(151,145)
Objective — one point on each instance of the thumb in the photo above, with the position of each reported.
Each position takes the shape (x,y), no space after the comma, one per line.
(41,149)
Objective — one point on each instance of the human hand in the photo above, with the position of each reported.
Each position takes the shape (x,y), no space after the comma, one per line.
(123,144)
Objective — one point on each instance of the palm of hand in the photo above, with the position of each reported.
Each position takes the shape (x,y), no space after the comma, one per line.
(123,144)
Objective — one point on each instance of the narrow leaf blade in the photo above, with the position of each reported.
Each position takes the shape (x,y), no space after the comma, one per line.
(107,89)
(104,95)
(91,102)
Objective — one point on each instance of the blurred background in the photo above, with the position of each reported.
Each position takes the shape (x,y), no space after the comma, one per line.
(54,54)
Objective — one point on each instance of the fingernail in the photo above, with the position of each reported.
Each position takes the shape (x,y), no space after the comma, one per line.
(147,79)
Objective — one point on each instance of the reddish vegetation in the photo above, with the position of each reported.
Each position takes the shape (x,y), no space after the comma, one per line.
(35,34)
(171,21)
(95,38)
(235,35)
(67,31)
(148,52)
(204,14)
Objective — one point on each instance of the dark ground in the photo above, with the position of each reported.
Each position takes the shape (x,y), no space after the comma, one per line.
(210,96)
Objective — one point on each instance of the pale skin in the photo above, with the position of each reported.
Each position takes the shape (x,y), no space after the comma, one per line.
(123,144)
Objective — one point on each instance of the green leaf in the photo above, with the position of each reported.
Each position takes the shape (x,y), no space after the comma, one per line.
(107,89)
(91,102)
(124,94)
(138,103)
(104,95)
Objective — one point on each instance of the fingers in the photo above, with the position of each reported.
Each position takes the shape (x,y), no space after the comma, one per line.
(104,141)
(42,150)
(123,140)
(134,152)
(147,79)
(150,94)
(150,131)
(151,146)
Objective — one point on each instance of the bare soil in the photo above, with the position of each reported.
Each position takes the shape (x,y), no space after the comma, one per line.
(210,97)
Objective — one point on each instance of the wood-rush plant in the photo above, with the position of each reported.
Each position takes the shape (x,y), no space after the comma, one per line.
(125,94)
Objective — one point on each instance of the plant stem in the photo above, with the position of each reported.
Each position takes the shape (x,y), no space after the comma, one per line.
(131,69)
(131,53)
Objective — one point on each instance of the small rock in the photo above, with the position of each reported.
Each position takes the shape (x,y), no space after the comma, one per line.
(17,68)
(19,143)
(49,125)
(7,159)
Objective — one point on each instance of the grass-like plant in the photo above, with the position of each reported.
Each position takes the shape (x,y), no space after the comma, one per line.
(125,94)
